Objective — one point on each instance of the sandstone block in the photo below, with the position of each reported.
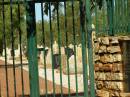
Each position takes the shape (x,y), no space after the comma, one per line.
(102,49)
(107,67)
(109,76)
(114,40)
(106,58)
(105,40)
(113,49)
(100,76)
(124,94)
(118,86)
(96,58)
(117,76)
(117,67)
(99,85)
(98,66)
(110,58)
(117,57)
(102,93)
(115,94)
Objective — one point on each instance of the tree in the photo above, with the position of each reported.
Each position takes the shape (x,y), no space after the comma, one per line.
(62,28)
(57,5)
(15,23)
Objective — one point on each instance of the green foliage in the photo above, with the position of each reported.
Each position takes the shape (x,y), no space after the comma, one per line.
(100,20)
(69,29)
(15,23)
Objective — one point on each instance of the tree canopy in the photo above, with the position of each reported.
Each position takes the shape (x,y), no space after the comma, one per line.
(54,5)
(11,16)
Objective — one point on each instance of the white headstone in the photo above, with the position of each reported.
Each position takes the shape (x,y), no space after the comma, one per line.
(55,48)
(62,50)
(49,57)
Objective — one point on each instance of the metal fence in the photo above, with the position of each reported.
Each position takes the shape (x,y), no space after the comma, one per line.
(25,70)
(112,18)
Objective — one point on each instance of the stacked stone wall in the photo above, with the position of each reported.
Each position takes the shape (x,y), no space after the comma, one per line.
(108,67)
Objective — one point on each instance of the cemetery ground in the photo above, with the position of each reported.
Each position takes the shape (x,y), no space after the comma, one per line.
(49,73)
(18,77)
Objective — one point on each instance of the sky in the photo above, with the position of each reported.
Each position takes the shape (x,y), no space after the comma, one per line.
(38,12)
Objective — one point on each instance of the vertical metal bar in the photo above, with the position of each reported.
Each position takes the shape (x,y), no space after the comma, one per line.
(51,36)
(12,41)
(44,45)
(90,49)
(124,11)
(32,49)
(114,20)
(123,15)
(96,16)
(119,15)
(59,45)
(103,9)
(119,21)
(4,46)
(74,43)
(110,16)
(116,15)
(66,40)
(128,15)
(20,41)
(125,18)
(84,56)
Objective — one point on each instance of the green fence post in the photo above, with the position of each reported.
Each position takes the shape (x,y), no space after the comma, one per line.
(128,15)
(84,53)
(110,10)
(32,49)
(90,49)
(129,27)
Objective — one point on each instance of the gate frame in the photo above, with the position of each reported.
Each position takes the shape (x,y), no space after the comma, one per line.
(32,48)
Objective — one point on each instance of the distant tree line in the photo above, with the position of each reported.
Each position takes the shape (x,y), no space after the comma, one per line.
(69,28)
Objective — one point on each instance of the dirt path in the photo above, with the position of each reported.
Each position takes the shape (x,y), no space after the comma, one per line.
(19,83)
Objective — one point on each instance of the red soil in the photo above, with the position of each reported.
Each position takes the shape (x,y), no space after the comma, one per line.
(3,85)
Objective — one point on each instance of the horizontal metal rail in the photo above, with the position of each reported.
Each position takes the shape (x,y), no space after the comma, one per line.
(36,1)
(11,65)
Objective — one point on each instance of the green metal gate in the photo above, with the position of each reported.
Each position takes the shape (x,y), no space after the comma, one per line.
(16,35)
(65,21)
(32,50)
